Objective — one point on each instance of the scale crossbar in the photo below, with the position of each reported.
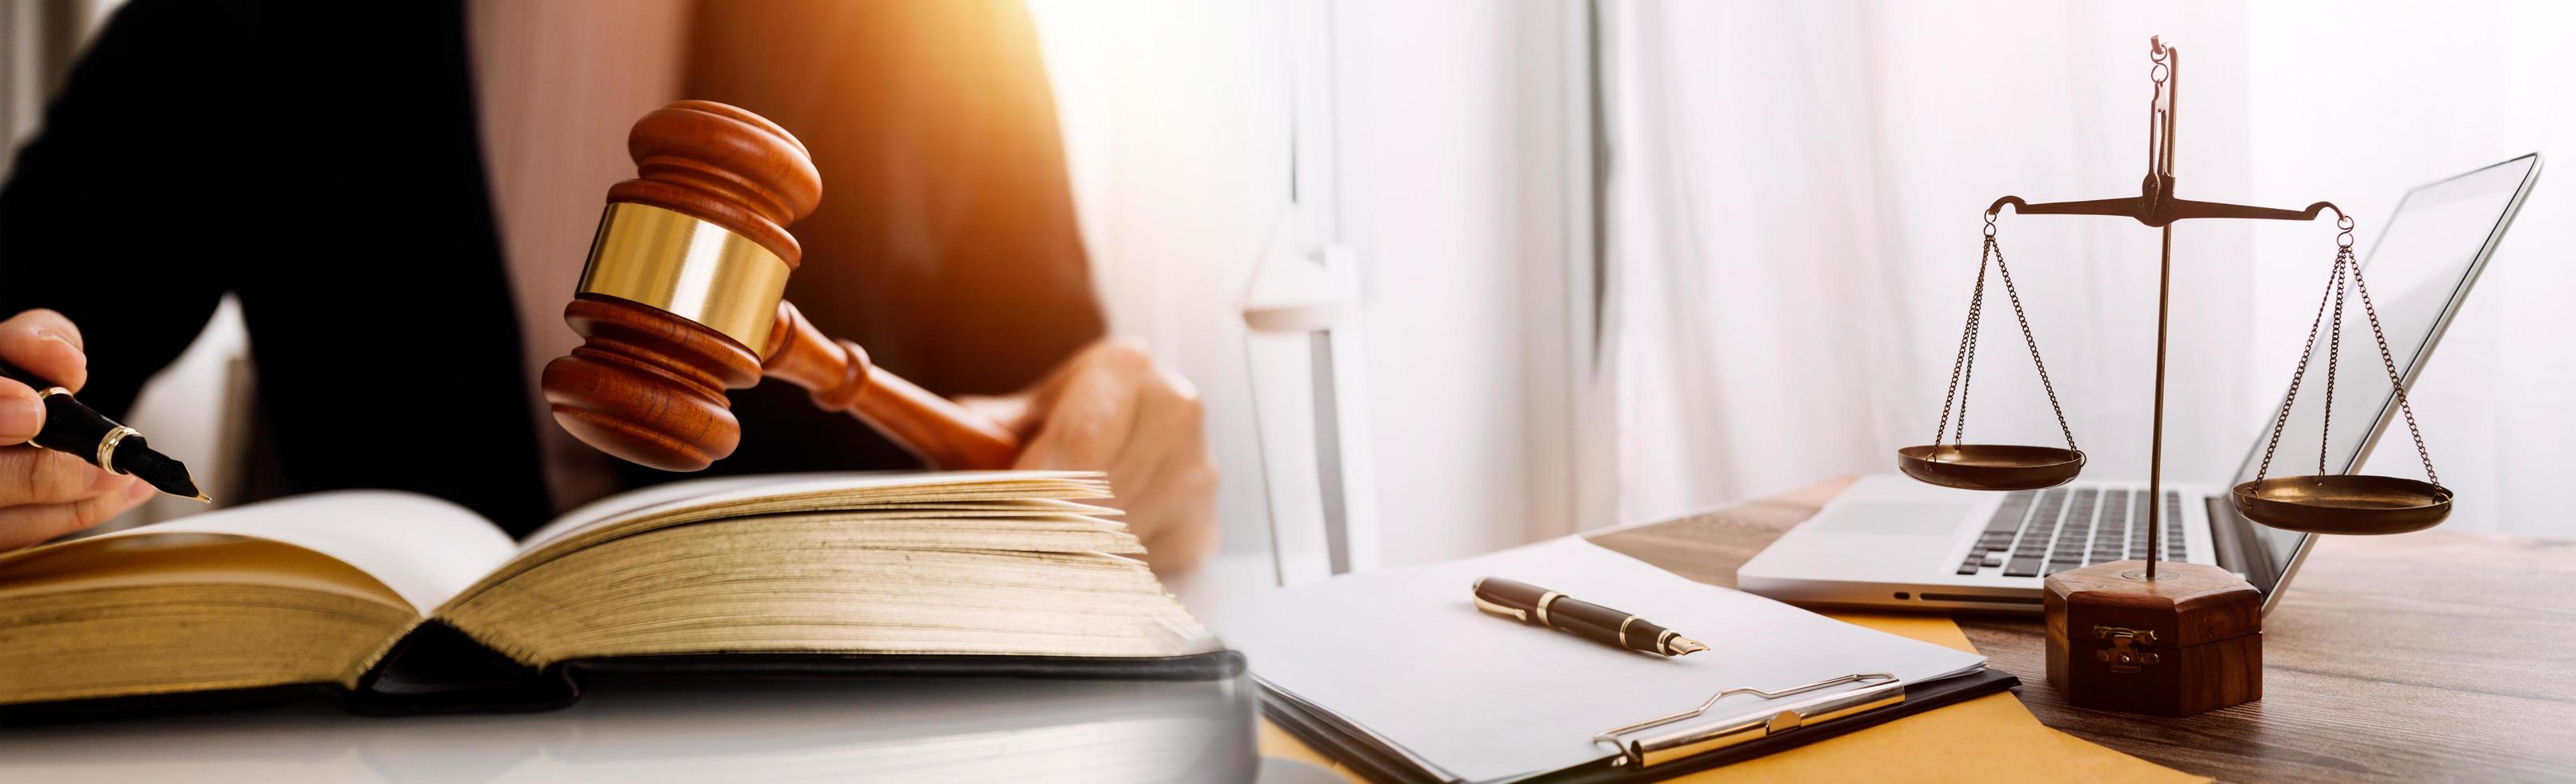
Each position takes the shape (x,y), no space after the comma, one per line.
(2157,206)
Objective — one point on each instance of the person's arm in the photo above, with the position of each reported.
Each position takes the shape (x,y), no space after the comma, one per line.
(946,241)
(97,222)
(109,213)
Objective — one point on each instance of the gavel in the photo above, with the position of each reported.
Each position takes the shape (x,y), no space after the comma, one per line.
(684,298)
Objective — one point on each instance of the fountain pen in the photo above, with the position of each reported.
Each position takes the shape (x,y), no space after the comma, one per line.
(1537,606)
(81,431)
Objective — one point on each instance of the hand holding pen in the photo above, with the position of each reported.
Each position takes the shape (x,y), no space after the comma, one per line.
(53,486)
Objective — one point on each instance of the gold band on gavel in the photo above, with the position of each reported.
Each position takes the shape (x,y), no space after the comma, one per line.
(694,269)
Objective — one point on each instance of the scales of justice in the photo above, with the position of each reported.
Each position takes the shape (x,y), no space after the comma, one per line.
(2110,607)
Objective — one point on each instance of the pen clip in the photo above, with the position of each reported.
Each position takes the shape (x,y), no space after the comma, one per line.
(1513,613)
(1880,689)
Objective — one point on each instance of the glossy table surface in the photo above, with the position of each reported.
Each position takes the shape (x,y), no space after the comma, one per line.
(2424,656)
(953,730)
(2428,656)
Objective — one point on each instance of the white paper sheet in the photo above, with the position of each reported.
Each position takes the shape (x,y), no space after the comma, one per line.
(1403,653)
(423,548)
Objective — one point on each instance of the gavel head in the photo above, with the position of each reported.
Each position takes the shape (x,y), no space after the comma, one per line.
(684,284)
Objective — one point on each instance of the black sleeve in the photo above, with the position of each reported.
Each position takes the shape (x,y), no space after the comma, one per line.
(128,175)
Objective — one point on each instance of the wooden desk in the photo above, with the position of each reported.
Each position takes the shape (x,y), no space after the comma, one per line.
(2428,656)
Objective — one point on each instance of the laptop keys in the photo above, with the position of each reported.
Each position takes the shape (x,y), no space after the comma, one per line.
(2077,532)
(2172,548)
(2001,528)
(2138,532)
(2173,527)
(2008,516)
(2109,534)
(2051,531)
(2030,550)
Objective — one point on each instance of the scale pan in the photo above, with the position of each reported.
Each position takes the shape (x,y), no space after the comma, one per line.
(1990,466)
(2344,504)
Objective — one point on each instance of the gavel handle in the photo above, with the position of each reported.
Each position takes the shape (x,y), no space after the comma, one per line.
(838,375)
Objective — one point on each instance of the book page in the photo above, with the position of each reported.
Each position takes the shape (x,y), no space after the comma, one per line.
(696,501)
(423,548)
(1402,654)
(623,504)
(736,491)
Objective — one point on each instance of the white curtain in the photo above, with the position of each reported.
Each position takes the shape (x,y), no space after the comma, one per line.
(39,40)
(1794,199)
(2357,103)
(1795,191)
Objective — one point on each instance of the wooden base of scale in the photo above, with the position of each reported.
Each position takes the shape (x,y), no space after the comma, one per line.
(2190,641)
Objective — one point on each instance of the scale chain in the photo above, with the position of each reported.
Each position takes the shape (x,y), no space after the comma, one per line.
(1963,363)
(2389,361)
(1976,326)
(2333,281)
(2334,294)
(2033,342)
(2334,360)
(1967,340)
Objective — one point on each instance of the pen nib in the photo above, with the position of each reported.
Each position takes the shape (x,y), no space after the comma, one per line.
(1683,646)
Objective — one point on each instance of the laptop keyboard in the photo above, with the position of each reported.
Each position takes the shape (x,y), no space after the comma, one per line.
(2041,532)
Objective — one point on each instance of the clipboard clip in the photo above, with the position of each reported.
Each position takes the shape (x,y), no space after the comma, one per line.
(1880,690)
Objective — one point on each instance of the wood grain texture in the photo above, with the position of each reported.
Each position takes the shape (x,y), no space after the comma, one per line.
(2197,644)
(2426,656)
(648,385)
(837,374)
(723,165)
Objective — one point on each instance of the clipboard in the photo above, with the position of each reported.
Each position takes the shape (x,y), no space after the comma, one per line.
(1678,743)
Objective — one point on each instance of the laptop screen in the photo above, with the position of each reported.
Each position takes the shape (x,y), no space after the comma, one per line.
(2422,264)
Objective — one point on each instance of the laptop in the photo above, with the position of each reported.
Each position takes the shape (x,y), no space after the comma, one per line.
(1892,542)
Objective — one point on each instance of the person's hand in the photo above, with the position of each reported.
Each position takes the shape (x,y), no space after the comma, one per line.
(1113,408)
(44,493)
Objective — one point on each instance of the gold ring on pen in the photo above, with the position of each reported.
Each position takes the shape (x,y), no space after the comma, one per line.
(1543,602)
(107,447)
(48,392)
(1623,630)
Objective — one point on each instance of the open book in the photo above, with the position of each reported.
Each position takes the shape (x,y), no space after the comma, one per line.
(396,602)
